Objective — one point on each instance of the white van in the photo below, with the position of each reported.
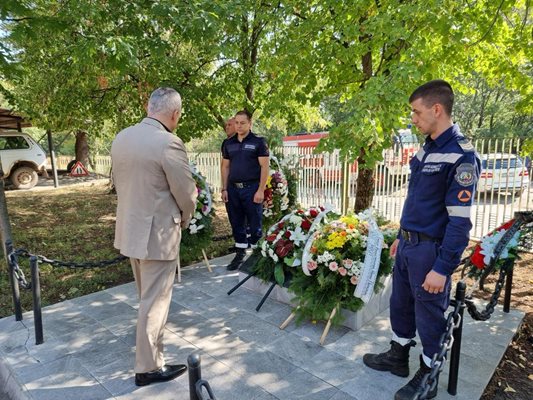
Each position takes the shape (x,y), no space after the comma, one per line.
(22,159)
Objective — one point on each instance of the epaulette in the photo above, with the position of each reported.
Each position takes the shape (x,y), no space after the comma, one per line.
(466,145)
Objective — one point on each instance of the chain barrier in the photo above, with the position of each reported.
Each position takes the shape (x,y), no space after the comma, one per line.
(489,308)
(523,223)
(71,264)
(203,384)
(21,278)
(17,271)
(430,380)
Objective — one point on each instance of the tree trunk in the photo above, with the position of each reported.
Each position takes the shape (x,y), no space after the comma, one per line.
(365,189)
(82,148)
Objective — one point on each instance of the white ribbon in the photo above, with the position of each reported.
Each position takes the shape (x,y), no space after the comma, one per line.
(369,271)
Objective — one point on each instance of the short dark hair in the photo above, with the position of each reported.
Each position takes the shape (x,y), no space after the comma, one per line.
(246,113)
(433,92)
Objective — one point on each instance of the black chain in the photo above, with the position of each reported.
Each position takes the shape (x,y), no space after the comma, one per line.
(13,263)
(71,264)
(429,381)
(489,309)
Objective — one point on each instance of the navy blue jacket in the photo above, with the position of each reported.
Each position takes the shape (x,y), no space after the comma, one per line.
(444,174)
(243,156)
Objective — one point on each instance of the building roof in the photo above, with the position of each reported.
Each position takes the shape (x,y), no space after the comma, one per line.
(11,120)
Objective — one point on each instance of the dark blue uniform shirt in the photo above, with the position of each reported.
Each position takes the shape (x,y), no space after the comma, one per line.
(444,175)
(243,156)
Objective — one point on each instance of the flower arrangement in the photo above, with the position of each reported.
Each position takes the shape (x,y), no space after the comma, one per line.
(333,264)
(282,247)
(484,251)
(278,197)
(198,234)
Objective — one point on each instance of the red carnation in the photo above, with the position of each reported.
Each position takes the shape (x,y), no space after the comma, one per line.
(287,234)
(477,258)
(281,225)
(271,238)
(306,225)
(313,212)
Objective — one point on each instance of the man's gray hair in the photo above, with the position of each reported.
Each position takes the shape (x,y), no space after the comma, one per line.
(165,101)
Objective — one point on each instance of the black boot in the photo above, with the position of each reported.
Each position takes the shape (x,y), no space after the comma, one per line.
(237,260)
(396,360)
(409,391)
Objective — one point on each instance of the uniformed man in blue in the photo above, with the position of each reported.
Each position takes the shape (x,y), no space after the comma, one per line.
(435,226)
(245,169)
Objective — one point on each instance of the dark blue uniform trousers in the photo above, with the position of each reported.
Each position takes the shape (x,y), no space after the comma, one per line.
(411,307)
(242,211)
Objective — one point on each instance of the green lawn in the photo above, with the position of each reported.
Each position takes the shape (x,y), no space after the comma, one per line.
(73,224)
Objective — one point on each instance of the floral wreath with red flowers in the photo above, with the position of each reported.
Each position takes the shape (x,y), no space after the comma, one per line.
(334,258)
(484,251)
(276,200)
(282,247)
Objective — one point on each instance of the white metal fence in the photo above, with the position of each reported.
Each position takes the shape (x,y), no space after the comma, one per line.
(504,186)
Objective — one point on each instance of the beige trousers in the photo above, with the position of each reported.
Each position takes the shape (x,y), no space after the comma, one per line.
(154,286)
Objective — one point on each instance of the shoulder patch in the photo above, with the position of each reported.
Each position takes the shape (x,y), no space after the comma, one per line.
(466,144)
(465,174)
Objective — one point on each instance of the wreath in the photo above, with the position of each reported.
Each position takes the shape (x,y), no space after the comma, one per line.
(335,261)
(484,251)
(282,247)
(198,234)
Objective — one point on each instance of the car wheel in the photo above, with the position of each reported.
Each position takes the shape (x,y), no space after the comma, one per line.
(519,192)
(24,178)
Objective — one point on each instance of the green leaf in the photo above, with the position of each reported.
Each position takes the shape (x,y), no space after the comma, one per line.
(279,274)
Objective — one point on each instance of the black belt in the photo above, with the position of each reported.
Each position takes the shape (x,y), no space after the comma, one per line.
(415,237)
(241,185)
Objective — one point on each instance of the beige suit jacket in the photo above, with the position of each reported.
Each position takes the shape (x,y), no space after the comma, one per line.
(155,188)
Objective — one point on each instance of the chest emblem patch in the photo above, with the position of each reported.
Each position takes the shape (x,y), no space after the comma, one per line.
(464,196)
(431,168)
(464,174)
(249,147)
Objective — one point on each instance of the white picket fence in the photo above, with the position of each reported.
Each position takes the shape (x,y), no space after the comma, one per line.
(325,179)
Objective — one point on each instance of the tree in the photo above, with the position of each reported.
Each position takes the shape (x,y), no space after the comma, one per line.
(372,54)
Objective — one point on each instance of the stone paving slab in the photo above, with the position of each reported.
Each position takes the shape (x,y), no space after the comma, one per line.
(89,348)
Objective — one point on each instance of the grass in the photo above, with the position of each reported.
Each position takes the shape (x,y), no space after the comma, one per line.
(73,224)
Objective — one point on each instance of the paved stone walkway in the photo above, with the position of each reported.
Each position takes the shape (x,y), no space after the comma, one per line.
(89,349)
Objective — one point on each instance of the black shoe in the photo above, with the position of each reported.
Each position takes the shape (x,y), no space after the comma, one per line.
(237,260)
(396,360)
(166,373)
(413,387)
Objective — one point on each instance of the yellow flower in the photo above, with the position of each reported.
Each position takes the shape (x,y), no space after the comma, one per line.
(335,240)
(350,220)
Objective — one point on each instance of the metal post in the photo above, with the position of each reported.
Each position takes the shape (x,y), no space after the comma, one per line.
(265,296)
(195,374)
(508,286)
(8,248)
(7,245)
(455,352)
(52,157)
(36,292)
(238,285)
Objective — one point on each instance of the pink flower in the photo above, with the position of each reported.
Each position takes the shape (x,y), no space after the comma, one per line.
(333,266)
(353,280)
(343,271)
(311,265)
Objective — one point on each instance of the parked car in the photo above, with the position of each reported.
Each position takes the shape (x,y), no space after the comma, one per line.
(503,172)
(22,159)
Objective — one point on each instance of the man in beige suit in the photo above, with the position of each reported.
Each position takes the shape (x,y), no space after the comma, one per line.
(156,198)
